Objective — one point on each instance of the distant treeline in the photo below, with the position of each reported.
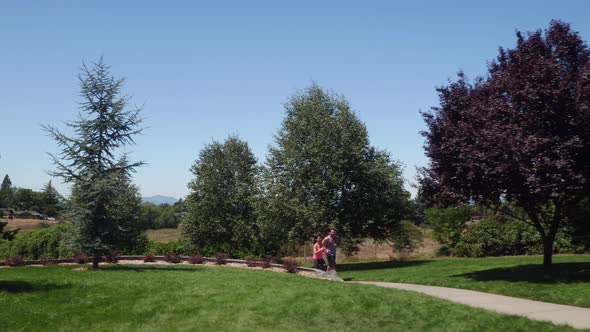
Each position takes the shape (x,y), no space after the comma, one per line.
(47,201)
(161,216)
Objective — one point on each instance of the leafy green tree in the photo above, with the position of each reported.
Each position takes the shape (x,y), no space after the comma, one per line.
(220,206)
(322,173)
(105,206)
(166,217)
(27,199)
(149,213)
(6,192)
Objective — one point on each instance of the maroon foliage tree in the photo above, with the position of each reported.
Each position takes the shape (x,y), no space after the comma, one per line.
(521,134)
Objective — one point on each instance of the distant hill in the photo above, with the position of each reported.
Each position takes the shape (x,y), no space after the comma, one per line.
(159,199)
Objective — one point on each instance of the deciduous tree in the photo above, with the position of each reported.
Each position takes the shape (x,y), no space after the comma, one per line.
(520,134)
(323,172)
(220,206)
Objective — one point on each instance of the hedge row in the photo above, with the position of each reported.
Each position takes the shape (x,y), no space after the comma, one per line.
(290,266)
(57,242)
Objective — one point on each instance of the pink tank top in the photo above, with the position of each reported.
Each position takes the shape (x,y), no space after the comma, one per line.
(319,255)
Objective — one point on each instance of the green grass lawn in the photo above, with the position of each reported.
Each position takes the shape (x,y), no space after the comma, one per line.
(173,298)
(520,276)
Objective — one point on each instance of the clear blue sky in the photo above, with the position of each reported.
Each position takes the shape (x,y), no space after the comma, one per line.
(208,69)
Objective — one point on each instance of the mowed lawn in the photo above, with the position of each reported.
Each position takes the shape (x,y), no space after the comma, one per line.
(208,298)
(520,276)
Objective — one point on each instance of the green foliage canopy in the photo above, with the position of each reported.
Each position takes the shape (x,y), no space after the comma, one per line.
(221,215)
(323,172)
(105,206)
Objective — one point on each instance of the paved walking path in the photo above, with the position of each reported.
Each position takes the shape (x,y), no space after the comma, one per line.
(556,313)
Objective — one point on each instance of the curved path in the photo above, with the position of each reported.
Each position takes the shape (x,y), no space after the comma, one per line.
(556,313)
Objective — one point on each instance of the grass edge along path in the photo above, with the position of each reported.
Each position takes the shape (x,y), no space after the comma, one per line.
(576,317)
(142,297)
(517,276)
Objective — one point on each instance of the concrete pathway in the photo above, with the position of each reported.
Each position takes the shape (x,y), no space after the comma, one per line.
(556,313)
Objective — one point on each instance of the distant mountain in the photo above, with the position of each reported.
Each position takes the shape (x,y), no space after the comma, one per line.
(159,199)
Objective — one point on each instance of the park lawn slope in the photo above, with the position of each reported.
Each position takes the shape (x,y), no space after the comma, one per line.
(519,276)
(203,298)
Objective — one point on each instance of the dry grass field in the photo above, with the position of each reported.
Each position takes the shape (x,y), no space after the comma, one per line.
(163,235)
(375,252)
(369,251)
(27,224)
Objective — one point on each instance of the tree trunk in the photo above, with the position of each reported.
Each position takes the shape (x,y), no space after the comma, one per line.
(548,253)
(95,261)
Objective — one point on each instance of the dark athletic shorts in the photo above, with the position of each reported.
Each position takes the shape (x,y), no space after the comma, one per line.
(331,261)
(319,264)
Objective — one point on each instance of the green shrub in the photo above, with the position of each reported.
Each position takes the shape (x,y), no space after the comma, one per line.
(448,223)
(50,243)
(140,246)
(221,258)
(407,237)
(161,248)
(492,237)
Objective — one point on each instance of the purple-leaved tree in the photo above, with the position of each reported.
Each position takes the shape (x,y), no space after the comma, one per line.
(521,134)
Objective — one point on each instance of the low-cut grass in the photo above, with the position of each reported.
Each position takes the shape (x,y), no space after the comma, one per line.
(201,298)
(519,276)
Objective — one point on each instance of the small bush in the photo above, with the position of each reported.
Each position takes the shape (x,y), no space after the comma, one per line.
(113,258)
(172,258)
(162,248)
(448,223)
(149,258)
(196,259)
(290,265)
(14,261)
(81,259)
(47,262)
(221,258)
(252,263)
(265,264)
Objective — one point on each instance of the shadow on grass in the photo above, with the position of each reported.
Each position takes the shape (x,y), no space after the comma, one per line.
(143,268)
(18,286)
(379,265)
(534,273)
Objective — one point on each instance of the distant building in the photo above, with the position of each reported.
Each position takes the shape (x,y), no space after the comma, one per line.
(29,214)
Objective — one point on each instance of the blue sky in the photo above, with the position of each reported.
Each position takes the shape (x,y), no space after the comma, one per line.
(204,70)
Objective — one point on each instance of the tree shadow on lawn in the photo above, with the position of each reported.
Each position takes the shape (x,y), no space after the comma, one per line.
(534,273)
(19,286)
(379,265)
(143,268)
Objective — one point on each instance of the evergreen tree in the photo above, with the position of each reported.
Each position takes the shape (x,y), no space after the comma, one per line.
(50,195)
(105,205)
(51,200)
(6,192)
